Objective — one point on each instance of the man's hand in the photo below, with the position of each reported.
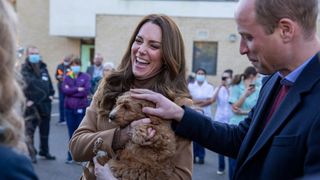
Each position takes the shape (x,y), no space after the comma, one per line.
(165,108)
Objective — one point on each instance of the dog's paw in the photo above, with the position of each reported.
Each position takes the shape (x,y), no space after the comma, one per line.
(97,145)
(102,157)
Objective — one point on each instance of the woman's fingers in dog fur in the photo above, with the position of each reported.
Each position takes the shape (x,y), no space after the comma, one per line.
(151,133)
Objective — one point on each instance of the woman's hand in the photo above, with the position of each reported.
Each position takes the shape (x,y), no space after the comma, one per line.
(122,136)
(102,172)
(249,90)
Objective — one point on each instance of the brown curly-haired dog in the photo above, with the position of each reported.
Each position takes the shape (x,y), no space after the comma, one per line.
(142,158)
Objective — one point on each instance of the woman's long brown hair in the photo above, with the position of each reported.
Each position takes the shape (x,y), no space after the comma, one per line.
(171,81)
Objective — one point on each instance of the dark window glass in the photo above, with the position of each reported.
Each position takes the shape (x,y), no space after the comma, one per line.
(205,56)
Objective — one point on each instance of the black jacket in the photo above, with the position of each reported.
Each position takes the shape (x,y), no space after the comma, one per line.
(37,88)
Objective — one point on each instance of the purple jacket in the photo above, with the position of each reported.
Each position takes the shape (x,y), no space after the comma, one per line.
(75,99)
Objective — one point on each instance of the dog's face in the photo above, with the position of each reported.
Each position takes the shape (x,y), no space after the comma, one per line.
(128,109)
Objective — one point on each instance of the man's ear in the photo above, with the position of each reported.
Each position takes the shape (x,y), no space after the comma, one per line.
(287,29)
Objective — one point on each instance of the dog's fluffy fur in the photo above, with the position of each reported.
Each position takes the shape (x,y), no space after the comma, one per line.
(142,158)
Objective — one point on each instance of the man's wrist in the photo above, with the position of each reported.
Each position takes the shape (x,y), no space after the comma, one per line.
(179,114)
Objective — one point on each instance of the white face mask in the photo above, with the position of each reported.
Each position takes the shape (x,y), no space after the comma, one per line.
(229,81)
(200,78)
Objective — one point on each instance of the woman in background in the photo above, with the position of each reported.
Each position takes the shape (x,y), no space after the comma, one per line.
(223,111)
(76,88)
(108,68)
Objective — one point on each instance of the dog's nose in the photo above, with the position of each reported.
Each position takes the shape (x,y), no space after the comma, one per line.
(112,116)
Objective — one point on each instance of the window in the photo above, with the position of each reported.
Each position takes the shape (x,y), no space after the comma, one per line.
(205,56)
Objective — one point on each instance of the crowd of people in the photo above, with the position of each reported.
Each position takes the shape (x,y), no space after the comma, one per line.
(263,119)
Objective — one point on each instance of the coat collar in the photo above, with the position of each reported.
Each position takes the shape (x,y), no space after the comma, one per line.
(304,83)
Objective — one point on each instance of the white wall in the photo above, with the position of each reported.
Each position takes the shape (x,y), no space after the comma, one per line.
(77,18)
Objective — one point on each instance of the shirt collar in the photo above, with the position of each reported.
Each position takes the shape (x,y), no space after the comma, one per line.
(291,78)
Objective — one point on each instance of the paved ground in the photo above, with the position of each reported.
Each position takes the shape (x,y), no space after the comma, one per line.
(58,170)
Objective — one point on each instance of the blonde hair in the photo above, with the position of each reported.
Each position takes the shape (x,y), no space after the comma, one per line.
(12,99)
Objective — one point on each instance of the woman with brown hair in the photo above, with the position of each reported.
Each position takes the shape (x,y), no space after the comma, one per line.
(154,60)
(14,164)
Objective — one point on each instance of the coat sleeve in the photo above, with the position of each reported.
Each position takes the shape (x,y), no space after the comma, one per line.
(89,130)
(86,86)
(219,137)
(67,86)
(72,89)
(51,89)
(183,158)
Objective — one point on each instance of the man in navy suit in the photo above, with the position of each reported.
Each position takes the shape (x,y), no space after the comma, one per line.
(280,138)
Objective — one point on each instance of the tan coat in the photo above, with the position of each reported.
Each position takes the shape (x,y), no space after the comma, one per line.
(91,127)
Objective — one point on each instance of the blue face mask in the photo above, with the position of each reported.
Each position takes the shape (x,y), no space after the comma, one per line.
(75,69)
(200,78)
(34,58)
(66,63)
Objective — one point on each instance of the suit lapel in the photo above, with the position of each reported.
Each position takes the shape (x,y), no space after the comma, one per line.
(270,87)
(308,77)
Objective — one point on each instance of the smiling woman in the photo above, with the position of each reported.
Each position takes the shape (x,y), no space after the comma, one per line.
(154,60)
(146,52)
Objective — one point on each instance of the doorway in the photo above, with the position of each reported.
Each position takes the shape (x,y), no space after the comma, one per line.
(87,54)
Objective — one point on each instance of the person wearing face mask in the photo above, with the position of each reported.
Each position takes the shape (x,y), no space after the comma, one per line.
(76,88)
(61,71)
(223,110)
(201,92)
(39,93)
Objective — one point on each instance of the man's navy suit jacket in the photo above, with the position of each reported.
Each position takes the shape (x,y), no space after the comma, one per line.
(287,148)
